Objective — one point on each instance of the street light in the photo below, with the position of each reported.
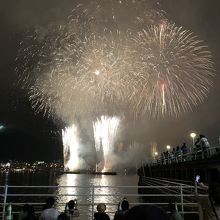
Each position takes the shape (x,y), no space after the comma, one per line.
(168,156)
(168,147)
(193,135)
(156,156)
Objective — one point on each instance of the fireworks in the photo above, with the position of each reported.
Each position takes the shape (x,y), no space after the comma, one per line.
(173,71)
(93,79)
(106,60)
(106,130)
(70,148)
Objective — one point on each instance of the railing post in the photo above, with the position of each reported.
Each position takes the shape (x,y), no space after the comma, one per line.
(93,200)
(143,168)
(5,200)
(9,215)
(181,193)
(200,211)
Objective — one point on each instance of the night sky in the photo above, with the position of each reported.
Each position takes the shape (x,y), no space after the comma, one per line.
(33,137)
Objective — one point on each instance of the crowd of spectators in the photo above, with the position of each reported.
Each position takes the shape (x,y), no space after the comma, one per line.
(210,208)
(49,212)
(124,212)
(200,150)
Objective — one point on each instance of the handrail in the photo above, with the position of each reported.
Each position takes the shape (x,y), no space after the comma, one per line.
(95,195)
(5,200)
(182,157)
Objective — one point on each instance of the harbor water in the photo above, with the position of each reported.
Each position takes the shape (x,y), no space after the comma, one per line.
(110,188)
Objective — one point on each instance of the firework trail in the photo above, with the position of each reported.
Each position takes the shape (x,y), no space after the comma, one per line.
(173,71)
(106,130)
(71,147)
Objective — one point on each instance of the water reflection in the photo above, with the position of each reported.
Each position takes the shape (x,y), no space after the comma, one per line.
(68,191)
(76,186)
(105,188)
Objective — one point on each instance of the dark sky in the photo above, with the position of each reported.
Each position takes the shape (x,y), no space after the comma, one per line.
(31,136)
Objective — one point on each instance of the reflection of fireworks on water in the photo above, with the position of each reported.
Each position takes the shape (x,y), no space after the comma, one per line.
(173,69)
(70,148)
(106,130)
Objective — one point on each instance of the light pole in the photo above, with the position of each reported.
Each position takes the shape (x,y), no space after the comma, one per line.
(192,135)
(155,156)
(168,153)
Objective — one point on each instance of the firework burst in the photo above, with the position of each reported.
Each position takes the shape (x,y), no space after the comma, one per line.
(172,71)
(106,61)
(90,73)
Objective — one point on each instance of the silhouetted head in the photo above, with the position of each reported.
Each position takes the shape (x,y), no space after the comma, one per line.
(125,205)
(101,207)
(71,204)
(146,212)
(50,202)
(62,216)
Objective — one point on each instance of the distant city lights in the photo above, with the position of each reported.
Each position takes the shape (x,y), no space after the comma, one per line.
(2,127)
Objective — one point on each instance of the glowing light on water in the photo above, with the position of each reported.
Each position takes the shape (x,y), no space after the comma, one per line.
(104,170)
(66,193)
(105,133)
(70,148)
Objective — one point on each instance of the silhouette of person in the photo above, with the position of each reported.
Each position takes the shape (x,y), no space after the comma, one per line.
(143,212)
(121,212)
(101,215)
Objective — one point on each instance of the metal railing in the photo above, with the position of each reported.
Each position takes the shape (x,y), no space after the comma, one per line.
(183,195)
(194,154)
